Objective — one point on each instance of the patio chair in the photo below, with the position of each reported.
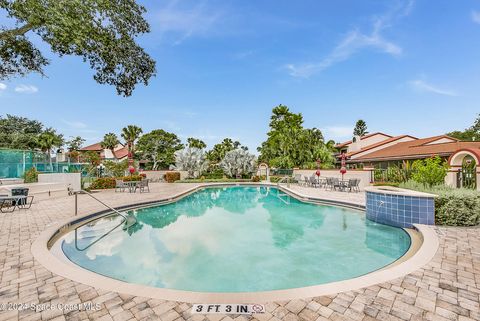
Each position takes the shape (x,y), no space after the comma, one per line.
(142,186)
(298,178)
(120,185)
(306,181)
(354,185)
(313,181)
(329,183)
(336,184)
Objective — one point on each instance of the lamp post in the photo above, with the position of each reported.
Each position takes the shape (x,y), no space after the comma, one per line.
(318,171)
(100,170)
(343,169)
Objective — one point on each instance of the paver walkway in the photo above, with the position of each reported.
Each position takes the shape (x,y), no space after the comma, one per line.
(448,288)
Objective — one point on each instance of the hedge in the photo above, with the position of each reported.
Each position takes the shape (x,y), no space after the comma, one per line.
(172,177)
(103,183)
(453,207)
(109,182)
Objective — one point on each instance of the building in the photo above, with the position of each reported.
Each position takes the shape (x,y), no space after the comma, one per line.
(119,153)
(379,150)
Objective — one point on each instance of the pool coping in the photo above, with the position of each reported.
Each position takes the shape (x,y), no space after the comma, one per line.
(41,250)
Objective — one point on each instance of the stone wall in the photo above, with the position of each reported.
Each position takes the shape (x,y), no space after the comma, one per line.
(400,208)
(157,176)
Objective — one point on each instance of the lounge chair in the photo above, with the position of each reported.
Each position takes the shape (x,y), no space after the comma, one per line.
(120,185)
(8,204)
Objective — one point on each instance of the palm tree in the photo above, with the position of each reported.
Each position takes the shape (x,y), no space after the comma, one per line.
(47,141)
(110,141)
(131,133)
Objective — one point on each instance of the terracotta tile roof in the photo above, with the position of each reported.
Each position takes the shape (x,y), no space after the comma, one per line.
(419,148)
(361,138)
(121,153)
(95,147)
(387,141)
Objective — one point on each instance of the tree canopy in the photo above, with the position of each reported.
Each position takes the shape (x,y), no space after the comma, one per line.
(470,134)
(360,128)
(103,33)
(290,145)
(158,147)
(75,143)
(110,141)
(19,132)
(217,153)
(196,143)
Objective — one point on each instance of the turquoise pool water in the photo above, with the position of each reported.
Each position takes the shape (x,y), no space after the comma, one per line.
(237,239)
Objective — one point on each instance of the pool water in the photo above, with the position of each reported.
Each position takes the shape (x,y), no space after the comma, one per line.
(237,239)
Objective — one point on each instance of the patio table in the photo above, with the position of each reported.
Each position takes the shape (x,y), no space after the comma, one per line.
(132,186)
(343,184)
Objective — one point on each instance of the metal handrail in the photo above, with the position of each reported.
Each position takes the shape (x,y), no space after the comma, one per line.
(282,179)
(125,220)
(101,202)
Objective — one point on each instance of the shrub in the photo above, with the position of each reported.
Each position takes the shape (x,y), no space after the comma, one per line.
(430,171)
(31,175)
(131,178)
(116,169)
(103,183)
(214,173)
(172,177)
(255,178)
(192,160)
(453,207)
(238,162)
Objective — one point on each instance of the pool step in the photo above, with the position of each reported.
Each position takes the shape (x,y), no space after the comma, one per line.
(98,228)
(286,200)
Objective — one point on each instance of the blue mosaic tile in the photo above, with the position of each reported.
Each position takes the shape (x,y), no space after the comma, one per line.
(400,210)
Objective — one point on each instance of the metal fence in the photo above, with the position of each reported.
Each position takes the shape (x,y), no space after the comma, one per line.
(14,163)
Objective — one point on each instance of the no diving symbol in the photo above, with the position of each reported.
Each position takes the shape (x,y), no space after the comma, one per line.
(256,308)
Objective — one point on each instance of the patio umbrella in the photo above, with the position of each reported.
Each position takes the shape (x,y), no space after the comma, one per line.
(343,168)
(318,170)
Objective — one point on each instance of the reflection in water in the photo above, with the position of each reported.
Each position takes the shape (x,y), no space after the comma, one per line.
(239,239)
(379,240)
(289,221)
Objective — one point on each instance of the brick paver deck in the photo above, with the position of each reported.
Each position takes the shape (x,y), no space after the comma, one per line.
(448,288)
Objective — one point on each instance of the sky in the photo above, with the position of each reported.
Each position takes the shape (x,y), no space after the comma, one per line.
(405,67)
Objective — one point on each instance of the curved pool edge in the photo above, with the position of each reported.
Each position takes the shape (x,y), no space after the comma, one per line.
(69,270)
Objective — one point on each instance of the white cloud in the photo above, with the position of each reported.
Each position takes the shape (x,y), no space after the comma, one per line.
(356,41)
(75,124)
(337,132)
(476,16)
(26,89)
(2,86)
(422,86)
(187,22)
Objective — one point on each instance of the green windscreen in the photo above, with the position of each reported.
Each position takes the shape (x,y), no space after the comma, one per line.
(14,163)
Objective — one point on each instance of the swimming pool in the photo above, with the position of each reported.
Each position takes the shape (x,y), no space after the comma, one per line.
(237,239)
